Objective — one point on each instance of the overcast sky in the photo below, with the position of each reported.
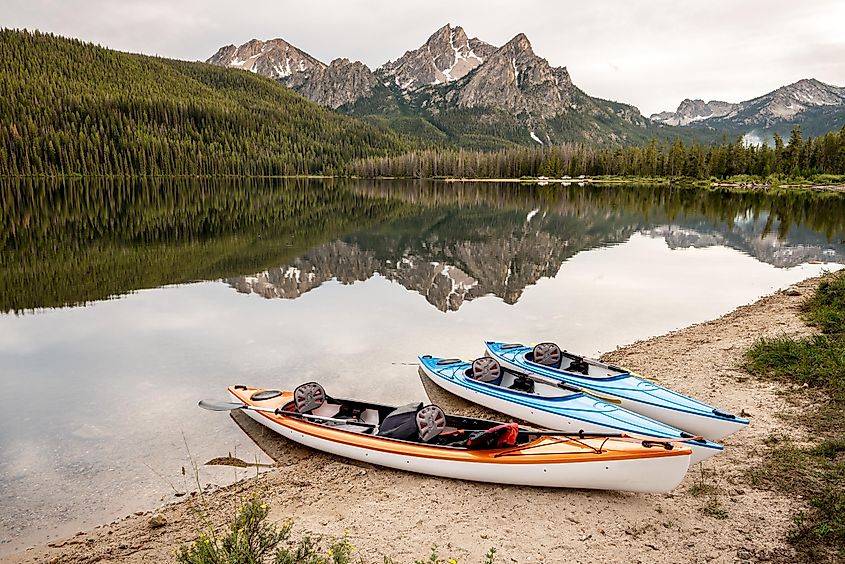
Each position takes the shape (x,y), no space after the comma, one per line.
(649,53)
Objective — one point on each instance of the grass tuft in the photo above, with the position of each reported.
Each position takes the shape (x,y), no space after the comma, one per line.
(818,360)
(815,473)
(826,308)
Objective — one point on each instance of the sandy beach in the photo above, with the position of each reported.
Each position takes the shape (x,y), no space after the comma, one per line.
(400,515)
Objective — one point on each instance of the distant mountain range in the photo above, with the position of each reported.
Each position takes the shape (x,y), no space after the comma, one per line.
(460,90)
(815,106)
(453,89)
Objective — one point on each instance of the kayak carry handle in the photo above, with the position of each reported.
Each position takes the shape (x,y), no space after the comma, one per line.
(724,414)
(666,445)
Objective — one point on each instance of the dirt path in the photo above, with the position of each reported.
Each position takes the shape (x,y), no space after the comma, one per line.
(401,515)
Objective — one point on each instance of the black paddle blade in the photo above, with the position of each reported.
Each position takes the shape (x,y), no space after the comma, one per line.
(213,405)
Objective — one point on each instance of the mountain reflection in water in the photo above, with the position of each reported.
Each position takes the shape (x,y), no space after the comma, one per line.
(462,245)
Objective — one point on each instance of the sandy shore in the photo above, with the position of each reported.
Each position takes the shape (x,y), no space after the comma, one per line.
(398,514)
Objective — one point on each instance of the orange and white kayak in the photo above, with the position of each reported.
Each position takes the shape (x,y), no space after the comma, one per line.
(459,447)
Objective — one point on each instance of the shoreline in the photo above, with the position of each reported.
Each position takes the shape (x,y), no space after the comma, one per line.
(401,515)
(751,186)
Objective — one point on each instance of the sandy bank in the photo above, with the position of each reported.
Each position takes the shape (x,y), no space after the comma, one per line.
(401,515)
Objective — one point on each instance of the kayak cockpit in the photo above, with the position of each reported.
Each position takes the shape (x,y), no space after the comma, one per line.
(489,372)
(549,355)
(413,423)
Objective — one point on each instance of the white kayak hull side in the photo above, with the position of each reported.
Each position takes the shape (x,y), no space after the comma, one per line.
(555,421)
(710,428)
(646,475)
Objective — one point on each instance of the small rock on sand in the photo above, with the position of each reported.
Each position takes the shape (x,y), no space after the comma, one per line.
(157,520)
(792,291)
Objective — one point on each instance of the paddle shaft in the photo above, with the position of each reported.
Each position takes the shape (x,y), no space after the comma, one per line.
(302,415)
(567,386)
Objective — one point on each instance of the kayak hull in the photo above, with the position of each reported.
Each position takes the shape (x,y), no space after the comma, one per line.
(632,393)
(572,413)
(548,463)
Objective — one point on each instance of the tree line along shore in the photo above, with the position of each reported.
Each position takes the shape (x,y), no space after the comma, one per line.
(76,109)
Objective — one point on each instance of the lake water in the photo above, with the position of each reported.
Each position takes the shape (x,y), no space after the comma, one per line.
(126,302)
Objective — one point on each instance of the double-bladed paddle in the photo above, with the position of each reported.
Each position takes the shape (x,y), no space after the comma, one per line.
(565,386)
(213,405)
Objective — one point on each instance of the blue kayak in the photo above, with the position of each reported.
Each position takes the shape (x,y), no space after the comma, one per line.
(618,385)
(552,405)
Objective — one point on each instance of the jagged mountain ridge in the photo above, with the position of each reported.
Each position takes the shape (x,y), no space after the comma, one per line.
(448,55)
(339,83)
(690,111)
(275,58)
(816,106)
(453,88)
(499,258)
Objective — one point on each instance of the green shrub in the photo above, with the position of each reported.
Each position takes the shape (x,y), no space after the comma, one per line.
(252,539)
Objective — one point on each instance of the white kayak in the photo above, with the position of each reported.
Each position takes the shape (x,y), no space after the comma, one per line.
(619,385)
(426,440)
(561,407)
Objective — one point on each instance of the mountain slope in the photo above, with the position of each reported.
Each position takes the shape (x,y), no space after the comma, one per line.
(274,59)
(517,96)
(446,56)
(817,107)
(463,91)
(118,113)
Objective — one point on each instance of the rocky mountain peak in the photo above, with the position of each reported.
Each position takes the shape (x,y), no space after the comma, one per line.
(774,109)
(808,92)
(446,56)
(517,80)
(690,111)
(275,58)
(520,42)
(341,83)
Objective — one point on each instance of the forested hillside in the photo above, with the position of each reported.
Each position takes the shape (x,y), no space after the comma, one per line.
(798,158)
(71,240)
(69,107)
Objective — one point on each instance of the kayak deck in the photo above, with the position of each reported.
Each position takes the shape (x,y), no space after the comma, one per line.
(636,394)
(530,448)
(567,410)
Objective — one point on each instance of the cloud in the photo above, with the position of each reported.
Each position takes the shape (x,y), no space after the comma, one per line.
(652,54)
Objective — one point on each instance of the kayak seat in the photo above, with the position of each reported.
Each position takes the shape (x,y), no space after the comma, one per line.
(487,370)
(431,421)
(308,397)
(547,354)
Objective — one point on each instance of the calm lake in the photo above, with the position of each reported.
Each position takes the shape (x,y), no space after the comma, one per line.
(124,303)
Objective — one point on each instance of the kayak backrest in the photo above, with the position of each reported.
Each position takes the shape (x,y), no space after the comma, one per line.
(487,370)
(431,420)
(308,397)
(547,354)
(401,423)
